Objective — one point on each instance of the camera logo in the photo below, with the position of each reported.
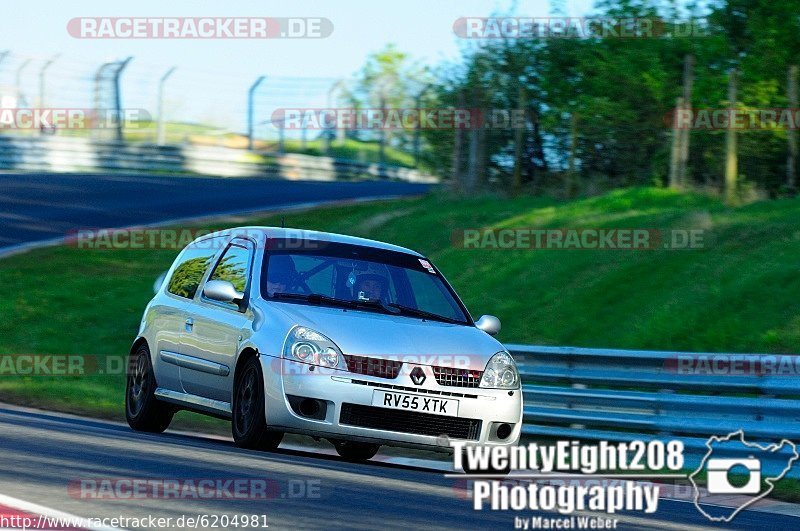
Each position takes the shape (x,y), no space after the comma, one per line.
(740,481)
(718,476)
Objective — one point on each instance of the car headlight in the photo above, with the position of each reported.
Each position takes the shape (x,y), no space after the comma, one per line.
(500,373)
(307,346)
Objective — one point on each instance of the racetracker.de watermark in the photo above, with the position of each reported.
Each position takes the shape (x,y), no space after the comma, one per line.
(587,238)
(108,488)
(734,364)
(29,118)
(398,118)
(576,28)
(757,119)
(200,27)
(61,365)
(143,238)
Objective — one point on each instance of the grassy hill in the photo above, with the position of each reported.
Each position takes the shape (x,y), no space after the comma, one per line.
(741,292)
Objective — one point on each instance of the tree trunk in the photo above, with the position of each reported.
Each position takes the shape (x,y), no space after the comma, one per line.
(731,160)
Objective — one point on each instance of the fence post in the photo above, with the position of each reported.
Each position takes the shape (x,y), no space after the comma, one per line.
(341,133)
(98,79)
(118,96)
(20,95)
(42,81)
(250,110)
(336,86)
(160,131)
(731,161)
(3,55)
(791,133)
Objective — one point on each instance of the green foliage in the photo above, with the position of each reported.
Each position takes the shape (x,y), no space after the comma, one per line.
(621,92)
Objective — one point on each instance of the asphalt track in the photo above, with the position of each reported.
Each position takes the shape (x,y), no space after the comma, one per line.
(37,207)
(45,457)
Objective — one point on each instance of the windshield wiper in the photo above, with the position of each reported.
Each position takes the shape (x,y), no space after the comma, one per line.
(426,315)
(316,298)
(392,308)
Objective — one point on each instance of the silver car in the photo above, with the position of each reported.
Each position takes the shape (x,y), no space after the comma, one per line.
(356,341)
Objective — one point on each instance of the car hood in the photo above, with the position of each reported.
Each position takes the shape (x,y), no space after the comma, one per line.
(410,339)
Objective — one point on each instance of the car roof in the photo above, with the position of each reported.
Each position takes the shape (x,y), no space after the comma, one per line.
(261,233)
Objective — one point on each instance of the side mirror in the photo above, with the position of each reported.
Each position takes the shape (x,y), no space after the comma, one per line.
(222,291)
(489,324)
(159,281)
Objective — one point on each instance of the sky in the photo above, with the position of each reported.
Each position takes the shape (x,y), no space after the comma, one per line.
(210,71)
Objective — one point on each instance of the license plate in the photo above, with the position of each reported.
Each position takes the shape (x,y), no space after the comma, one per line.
(422,404)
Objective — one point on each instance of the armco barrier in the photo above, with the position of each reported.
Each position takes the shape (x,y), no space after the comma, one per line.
(623,395)
(72,154)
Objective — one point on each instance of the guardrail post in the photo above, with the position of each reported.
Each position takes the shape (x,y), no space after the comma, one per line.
(250,109)
(118,96)
(160,133)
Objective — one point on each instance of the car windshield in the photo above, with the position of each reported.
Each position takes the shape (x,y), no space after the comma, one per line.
(359,277)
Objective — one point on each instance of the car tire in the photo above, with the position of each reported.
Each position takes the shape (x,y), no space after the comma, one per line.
(143,411)
(356,452)
(249,425)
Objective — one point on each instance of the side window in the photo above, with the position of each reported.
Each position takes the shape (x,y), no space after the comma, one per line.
(193,264)
(431,295)
(234,267)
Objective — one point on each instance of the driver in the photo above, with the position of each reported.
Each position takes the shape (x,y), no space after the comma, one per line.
(281,273)
(371,287)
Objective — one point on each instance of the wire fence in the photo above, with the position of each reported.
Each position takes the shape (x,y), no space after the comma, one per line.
(187,106)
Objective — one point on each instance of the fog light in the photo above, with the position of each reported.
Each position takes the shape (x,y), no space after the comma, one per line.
(309,407)
(503,431)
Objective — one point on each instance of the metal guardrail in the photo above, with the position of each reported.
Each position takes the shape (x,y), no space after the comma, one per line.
(624,395)
(70,154)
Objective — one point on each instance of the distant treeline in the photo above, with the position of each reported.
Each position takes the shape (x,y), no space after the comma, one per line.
(598,106)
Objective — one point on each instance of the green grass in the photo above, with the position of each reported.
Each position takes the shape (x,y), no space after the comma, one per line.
(740,293)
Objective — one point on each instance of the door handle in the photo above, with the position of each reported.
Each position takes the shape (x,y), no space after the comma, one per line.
(189,324)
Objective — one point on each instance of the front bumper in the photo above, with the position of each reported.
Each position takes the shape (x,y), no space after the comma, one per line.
(349,413)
